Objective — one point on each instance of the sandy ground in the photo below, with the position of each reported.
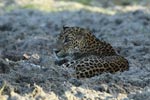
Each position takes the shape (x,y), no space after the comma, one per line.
(27,69)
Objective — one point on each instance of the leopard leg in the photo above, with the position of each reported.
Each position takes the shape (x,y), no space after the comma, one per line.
(69,64)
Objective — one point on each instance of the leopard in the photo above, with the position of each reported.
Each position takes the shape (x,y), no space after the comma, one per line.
(79,49)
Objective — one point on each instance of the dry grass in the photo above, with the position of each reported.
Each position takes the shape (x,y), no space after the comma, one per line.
(70,5)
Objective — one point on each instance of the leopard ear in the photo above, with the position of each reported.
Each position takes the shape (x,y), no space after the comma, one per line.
(65,27)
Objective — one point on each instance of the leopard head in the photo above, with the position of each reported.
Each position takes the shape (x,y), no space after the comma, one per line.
(72,40)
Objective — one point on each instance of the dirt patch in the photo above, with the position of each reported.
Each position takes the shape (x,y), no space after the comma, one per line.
(27,64)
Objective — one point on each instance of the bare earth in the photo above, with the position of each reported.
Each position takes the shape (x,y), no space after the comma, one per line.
(27,69)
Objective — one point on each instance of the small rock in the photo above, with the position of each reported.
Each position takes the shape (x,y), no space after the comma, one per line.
(101,88)
(4,66)
(79,94)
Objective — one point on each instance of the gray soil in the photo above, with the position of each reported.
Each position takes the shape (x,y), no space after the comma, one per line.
(28,71)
